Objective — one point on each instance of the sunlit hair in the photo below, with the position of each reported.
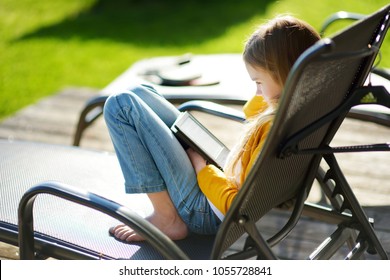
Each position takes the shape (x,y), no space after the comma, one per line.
(277,44)
(273,47)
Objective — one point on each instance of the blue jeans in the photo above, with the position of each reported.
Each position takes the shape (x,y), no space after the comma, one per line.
(151,158)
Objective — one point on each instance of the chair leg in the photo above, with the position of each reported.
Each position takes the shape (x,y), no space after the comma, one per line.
(261,246)
(358,251)
(350,202)
(329,247)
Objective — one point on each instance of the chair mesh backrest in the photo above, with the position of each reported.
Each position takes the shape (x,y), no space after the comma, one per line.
(317,84)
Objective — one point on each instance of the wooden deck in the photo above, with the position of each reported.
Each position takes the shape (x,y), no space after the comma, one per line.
(53,120)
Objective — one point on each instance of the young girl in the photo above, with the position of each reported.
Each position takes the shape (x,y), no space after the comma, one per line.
(183,189)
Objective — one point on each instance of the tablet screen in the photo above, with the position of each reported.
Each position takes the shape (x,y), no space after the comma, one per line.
(201,138)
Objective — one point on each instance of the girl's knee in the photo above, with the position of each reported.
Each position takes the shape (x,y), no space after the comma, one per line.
(124,101)
(115,104)
(110,105)
(133,92)
(142,90)
(121,99)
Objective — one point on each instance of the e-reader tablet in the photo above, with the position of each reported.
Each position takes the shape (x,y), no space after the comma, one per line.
(190,131)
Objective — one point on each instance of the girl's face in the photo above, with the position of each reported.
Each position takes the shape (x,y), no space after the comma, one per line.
(266,86)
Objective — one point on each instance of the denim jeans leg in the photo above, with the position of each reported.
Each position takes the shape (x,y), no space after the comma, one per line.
(151,158)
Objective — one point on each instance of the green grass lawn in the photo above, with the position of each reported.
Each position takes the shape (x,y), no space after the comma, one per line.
(48,45)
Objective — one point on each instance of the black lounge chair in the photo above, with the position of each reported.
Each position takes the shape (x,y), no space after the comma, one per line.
(326,81)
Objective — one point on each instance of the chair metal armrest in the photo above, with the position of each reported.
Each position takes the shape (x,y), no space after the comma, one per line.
(91,111)
(341,15)
(384,73)
(154,236)
(213,109)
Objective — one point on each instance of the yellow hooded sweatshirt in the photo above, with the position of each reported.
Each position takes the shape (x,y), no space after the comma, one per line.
(213,182)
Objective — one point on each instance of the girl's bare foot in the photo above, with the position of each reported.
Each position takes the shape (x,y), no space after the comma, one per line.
(175,229)
(165,218)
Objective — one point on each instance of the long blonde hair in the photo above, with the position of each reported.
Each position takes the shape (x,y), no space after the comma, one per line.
(274,47)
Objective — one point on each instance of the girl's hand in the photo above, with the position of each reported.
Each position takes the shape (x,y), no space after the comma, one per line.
(198,162)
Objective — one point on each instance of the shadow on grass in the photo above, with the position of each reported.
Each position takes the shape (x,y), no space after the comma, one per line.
(154,22)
